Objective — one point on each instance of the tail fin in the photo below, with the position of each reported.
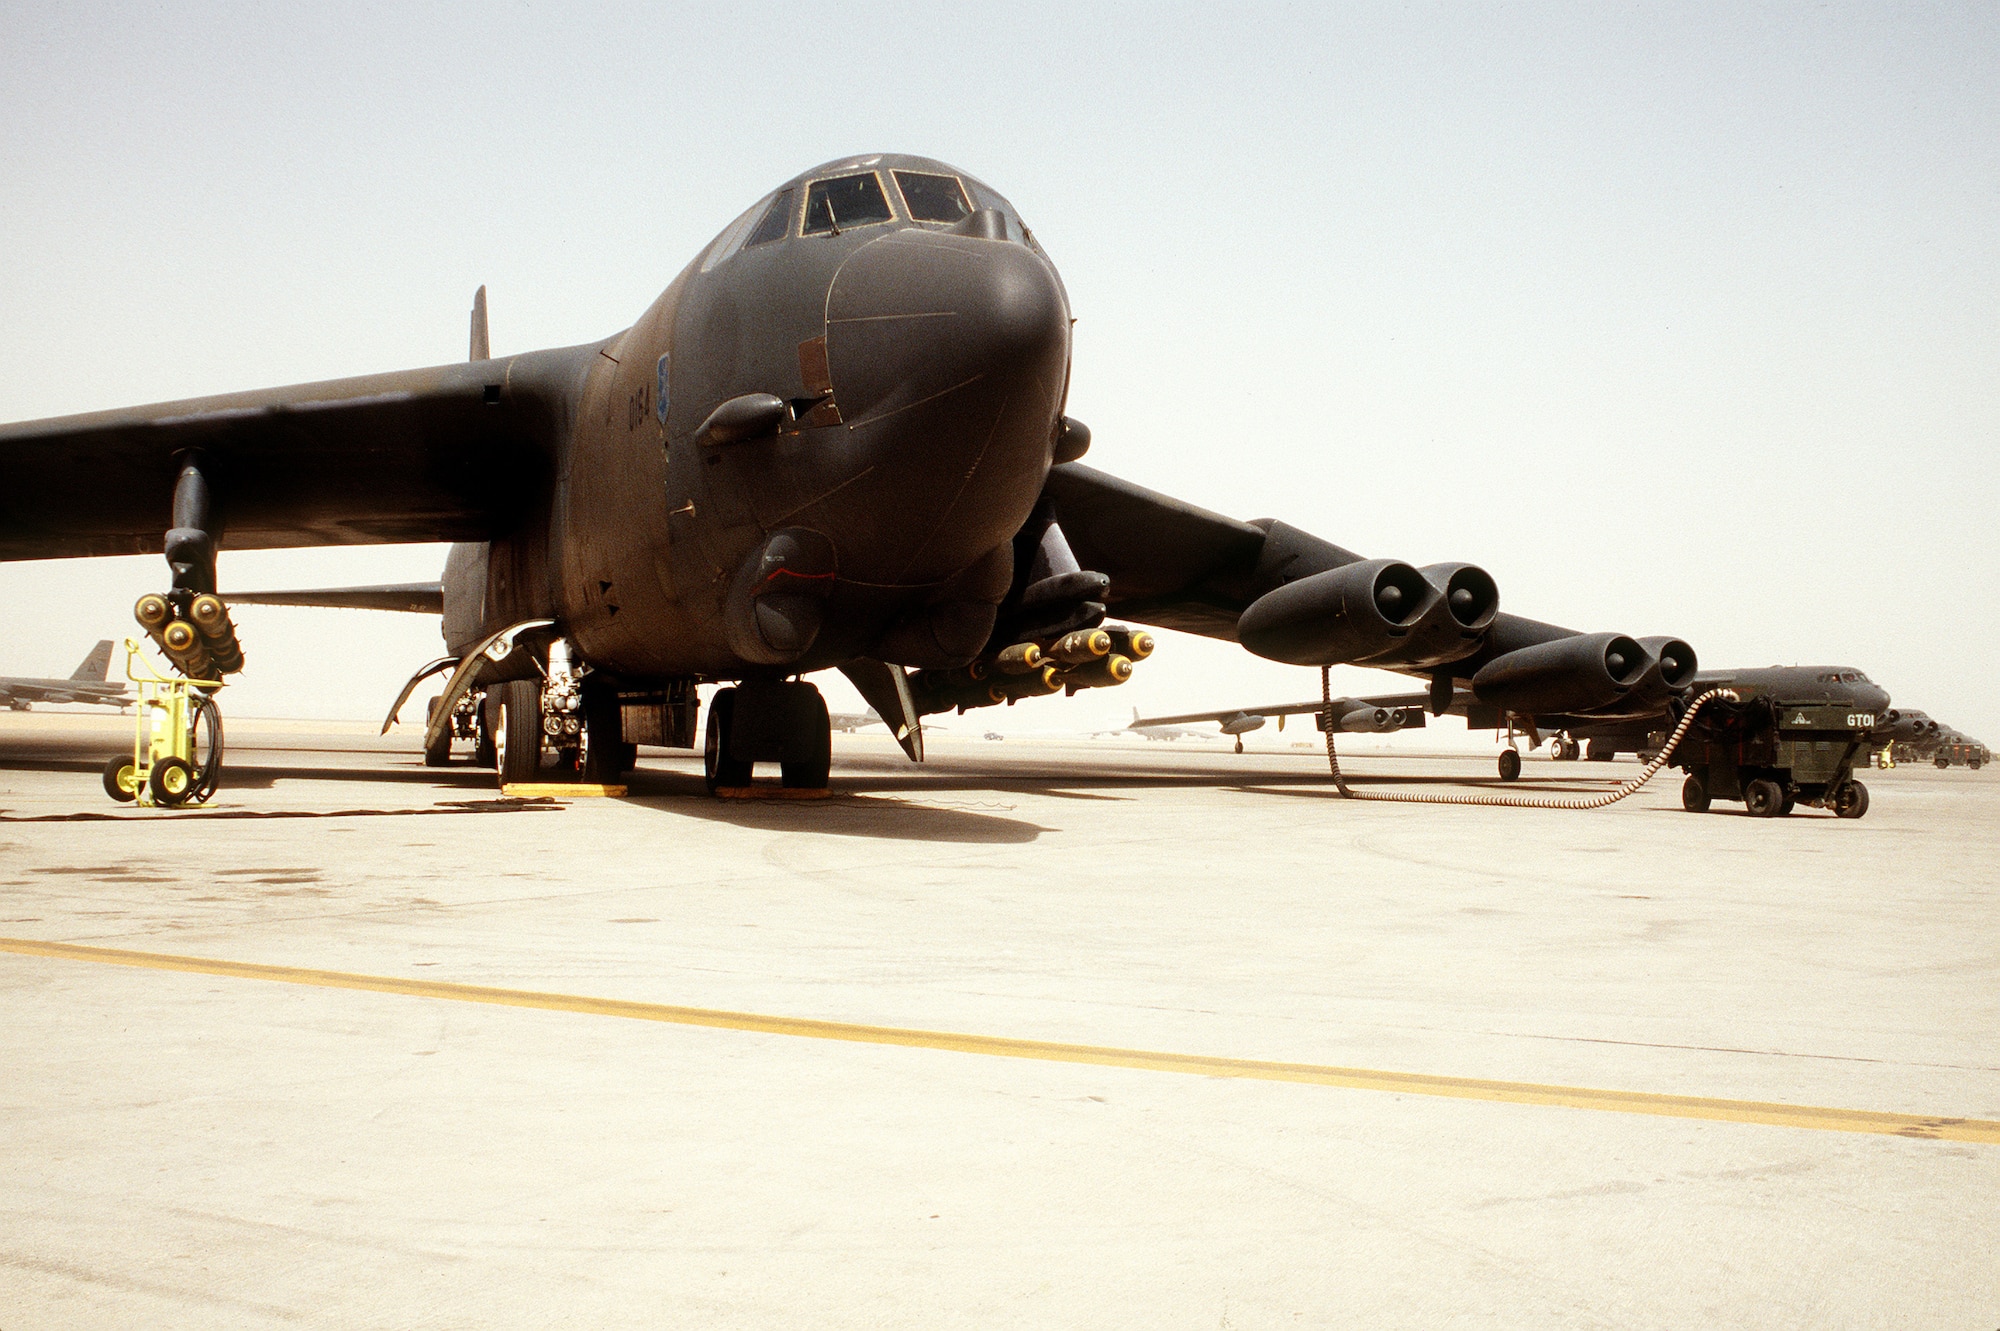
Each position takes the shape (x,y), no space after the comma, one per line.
(482,346)
(96,667)
(1135,716)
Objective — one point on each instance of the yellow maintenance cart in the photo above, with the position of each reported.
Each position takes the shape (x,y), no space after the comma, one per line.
(176,753)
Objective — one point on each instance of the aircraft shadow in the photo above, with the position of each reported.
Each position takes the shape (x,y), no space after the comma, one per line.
(849,813)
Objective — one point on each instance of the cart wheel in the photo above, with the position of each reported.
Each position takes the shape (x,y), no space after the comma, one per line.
(1762,798)
(1852,801)
(119,782)
(1789,802)
(172,780)
(1694,794)
(1510,764)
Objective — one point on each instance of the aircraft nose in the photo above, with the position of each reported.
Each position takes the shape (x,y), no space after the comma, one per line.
(947,356)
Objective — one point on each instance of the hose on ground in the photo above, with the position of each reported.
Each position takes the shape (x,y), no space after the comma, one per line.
(1510,801)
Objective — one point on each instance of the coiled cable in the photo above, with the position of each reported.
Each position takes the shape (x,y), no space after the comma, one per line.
(1510,801)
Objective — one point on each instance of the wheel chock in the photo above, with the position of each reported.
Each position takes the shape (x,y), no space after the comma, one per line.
(560,790)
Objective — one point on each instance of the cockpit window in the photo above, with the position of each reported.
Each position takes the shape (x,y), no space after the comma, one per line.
(932,198)
(843,202)
(777,221)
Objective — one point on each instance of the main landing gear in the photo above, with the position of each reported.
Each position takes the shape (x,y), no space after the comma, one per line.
(767,721)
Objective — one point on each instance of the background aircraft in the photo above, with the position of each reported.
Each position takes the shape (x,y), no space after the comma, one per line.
(1794,732)
(837,440)
(85,684)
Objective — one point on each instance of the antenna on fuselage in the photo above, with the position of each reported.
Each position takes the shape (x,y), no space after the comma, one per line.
(482,346)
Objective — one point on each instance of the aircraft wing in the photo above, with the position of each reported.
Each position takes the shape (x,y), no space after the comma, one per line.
(1170,563)
(417,455)
(1387,701)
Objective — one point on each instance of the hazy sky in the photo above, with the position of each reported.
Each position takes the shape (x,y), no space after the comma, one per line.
(1678,319)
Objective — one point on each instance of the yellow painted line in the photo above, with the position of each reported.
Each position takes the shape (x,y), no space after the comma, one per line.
(995,1046)
(560,790)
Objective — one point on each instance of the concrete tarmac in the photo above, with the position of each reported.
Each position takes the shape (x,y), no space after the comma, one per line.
(189,1143)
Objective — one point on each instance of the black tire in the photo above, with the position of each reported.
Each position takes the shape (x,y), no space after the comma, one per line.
(604,760)
(486,717)
(1942,762)
(814,771)
(1788,803)
(438,754)
(1694,794)
(118,779)
(1972,764)
(517,731)
(1762,798)
(172,781)
(1510,764)
(718,769)
(1851,801)
(208,765)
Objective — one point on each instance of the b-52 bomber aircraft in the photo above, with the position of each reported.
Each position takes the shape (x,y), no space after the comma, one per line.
(87,683)
(837,440)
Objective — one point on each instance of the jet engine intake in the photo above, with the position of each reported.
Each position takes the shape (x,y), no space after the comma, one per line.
(1358,717)
(1575,674)
(1350,613)
(1453,625)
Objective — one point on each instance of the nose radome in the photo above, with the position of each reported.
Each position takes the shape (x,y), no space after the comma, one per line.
(917,313)
(946,355)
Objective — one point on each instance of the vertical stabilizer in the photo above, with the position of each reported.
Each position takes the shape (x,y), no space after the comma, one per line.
(482,347)
(96,667)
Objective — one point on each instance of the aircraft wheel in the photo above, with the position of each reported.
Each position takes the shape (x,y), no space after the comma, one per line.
(604,746)
(172,781)
(1852,801)
(119,779)
(1694,794)
(1510,764)
(813,772)
(717,768)
(438,754)
(1239,744)
(517,734)
(1762,798)
(482,739)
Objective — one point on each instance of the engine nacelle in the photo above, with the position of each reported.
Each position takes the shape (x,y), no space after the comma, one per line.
(1358,717)
(1345,614)
(1575,674)
(1453,624)
(1670,667)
